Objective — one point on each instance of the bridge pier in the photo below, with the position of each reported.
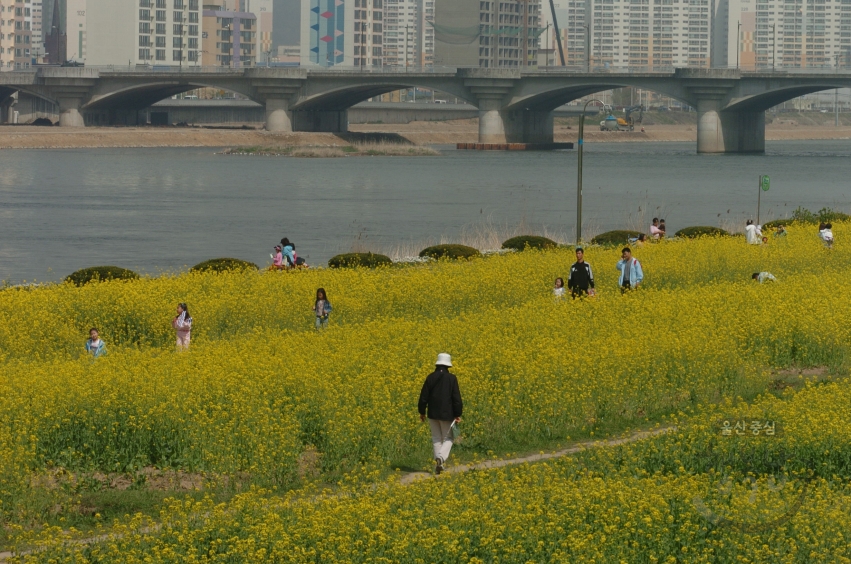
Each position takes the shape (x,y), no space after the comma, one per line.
(728,132)
(278,115)
(69,112)
(528,126)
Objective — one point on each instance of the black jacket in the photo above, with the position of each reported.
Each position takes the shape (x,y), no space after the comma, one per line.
(581,277)
(440,394)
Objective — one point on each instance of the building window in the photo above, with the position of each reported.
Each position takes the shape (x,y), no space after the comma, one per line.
(160,41)
(193,17)
(176,55)
(144,27)
(160,29)
(161,54)
(177,16)
(144,54)
(193,56)
(144,41)
(193,4)
(177,29)
(160,3)
(193,30)
(193,42)
(177,42)
(144,15)
(160,15)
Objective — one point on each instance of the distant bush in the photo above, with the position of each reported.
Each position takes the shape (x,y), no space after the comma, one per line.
(803,215)
(100,274)
(523,242)
(450,252)
(701,231)
(223,265)
(365,260)
(619,237)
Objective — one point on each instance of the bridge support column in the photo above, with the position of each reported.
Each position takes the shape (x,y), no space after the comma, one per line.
(278,116)
(491,124)
(69,112)
(728,132)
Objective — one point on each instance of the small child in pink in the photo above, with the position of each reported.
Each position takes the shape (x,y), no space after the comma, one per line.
(183,324)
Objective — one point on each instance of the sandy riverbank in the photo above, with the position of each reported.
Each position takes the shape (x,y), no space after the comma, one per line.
(462,131)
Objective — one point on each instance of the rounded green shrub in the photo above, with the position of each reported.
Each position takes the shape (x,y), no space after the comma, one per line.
(523,242)
(450,252)
(701,231)
(223,265)
(100,274)
(618,237)
(364,260)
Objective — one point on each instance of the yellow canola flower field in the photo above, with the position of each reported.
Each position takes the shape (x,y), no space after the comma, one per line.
(643,502)
(260,387)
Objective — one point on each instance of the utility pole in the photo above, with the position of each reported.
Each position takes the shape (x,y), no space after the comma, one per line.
(525,53)
(558,32)
(836,107)
(738,42)
(587,47)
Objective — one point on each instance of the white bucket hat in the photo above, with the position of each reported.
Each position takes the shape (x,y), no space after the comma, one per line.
(443,359)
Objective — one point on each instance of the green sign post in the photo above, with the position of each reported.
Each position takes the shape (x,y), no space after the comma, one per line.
(764,184)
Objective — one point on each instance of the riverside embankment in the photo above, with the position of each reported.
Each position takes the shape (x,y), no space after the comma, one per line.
(420,133)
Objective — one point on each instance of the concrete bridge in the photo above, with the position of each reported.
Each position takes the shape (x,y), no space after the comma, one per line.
(513,106)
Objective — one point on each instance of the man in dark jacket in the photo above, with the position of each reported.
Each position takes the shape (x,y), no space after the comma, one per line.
(581,281)
(440,400)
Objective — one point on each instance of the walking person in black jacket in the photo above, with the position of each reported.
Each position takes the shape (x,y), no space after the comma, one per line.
(581,281)
(440,400)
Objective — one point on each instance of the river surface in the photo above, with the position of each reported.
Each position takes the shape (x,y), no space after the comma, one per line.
(156,210)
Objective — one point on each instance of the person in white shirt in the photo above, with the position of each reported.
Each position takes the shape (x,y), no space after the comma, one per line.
(825,233)
(558,290)
(762,277)
(655,232)
(753,233)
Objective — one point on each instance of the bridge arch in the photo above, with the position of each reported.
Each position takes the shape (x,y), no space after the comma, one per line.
(763,101)
(340,97)
(548,94)
(140,96)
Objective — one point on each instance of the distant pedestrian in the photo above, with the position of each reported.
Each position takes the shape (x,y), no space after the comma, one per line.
(288,250)
(632,274)
(780,231)
(558,289)
(278,258)
(183,324)
(655,232)
(94,345)
(762,277)
(581,279)
(440,401)
(321,308)
(753,233)
(825,233)
(663,228)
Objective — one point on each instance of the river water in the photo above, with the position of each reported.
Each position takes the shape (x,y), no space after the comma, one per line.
(155,210)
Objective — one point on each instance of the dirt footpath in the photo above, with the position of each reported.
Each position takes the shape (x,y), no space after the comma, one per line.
(421,133)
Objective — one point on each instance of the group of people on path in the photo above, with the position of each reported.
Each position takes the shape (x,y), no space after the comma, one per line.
(581,279)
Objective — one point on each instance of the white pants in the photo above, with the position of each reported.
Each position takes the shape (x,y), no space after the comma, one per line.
(441,438)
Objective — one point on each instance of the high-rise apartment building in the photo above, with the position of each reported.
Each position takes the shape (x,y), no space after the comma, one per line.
(230,37)
(342,32)
(36,22)
(16,45)
(143,32)
(408,33)
(755,34)
(264,11)
(76,30)
(484,33)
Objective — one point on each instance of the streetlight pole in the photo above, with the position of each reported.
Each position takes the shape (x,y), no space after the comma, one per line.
(587,47)
(579,170)
(738,42)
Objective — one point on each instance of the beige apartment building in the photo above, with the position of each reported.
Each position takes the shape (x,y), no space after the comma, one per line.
(485,33)
(761,34)
(16,45)
(230,37)
(143,32)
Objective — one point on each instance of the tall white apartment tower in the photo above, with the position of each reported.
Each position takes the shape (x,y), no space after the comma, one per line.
(408,33)
(142,32)
(783,34)
(76,30)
